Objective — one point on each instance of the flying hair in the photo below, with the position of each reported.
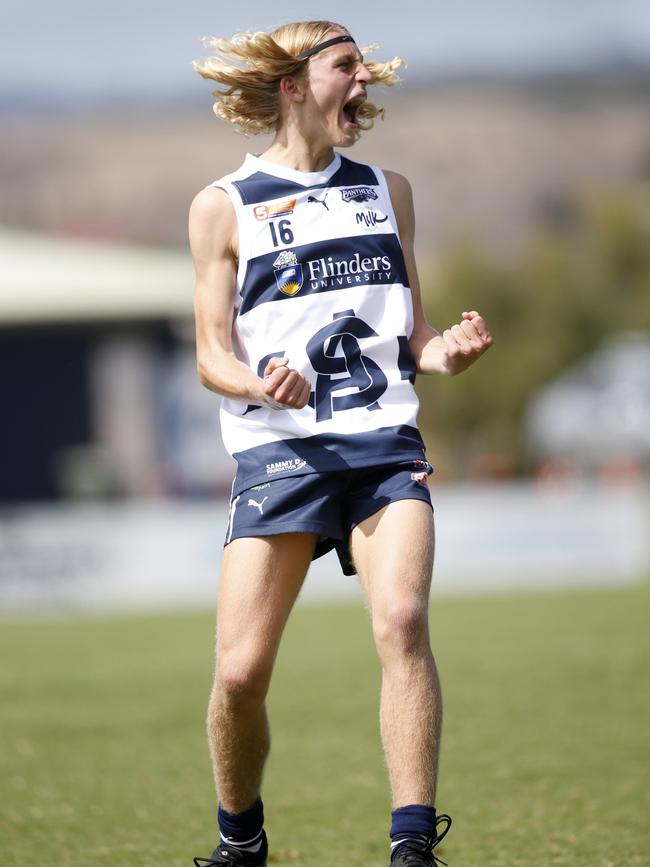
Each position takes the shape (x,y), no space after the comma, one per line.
(250,66)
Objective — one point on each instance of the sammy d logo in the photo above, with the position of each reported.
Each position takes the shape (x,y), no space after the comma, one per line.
(289,466)
(288,273)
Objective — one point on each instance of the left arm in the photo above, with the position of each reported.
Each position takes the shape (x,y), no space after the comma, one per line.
(458,346)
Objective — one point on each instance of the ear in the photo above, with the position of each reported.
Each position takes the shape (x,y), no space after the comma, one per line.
(292,88)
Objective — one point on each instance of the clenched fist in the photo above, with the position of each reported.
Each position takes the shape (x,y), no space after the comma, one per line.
(465,342)
(284,388)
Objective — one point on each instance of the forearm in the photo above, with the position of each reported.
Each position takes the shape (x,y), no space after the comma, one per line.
(452,351)
(222,372)
(429,351)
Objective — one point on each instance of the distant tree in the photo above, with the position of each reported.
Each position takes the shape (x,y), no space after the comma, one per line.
(553,306)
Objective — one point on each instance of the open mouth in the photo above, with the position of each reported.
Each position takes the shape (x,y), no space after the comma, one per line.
(351,108)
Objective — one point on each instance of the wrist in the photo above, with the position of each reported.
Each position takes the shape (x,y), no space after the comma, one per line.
(255,391)
(259,395)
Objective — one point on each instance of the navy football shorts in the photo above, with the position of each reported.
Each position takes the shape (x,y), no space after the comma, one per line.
(327,504)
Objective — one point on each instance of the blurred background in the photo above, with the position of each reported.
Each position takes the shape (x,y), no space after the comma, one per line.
(525,131)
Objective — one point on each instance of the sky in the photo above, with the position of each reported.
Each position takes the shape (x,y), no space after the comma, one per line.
(90,49)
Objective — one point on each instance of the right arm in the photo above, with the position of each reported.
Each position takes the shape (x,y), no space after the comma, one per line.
(214,246)
(459,345)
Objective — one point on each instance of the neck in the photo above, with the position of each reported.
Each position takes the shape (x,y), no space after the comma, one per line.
(296,152)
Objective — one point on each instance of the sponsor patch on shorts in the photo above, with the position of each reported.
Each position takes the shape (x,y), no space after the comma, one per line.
(285,466)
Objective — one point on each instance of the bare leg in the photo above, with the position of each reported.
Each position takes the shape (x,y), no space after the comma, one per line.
(393,553)
(260,580)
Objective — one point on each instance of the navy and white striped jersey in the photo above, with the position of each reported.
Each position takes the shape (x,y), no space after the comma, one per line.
(322,281)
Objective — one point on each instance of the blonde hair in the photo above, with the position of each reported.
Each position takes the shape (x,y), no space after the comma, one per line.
(251,65)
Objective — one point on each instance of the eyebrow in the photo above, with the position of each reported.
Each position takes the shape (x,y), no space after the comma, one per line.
(355,57)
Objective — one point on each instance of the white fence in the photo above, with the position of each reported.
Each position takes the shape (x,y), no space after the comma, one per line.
(152,555)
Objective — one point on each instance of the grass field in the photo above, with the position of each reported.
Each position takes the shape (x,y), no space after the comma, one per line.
(545,746)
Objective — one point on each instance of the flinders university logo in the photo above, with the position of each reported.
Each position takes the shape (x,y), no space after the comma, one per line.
(288,273)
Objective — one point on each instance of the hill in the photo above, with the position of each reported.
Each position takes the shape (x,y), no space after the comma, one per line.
(489,161)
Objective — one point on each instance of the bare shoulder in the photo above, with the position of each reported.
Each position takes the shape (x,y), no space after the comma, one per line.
(398,185)
(401,196)
(212,204)
(212,222)
(396,181)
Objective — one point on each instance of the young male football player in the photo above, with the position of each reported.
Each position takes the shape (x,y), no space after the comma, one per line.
(310,325)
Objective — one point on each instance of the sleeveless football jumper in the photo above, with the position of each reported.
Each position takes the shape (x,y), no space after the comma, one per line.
(321,280)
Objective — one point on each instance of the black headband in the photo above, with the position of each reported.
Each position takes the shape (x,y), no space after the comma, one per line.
(308,53)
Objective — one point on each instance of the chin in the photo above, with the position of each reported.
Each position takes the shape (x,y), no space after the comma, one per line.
(347,138)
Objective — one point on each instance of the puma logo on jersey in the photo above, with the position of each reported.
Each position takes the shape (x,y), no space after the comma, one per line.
(319,201)
(257,505)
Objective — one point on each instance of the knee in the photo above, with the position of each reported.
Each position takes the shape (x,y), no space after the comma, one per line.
(401,630)
(240,681)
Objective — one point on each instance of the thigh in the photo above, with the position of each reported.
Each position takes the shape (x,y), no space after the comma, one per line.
(393,553)
(260,580)
(301,504)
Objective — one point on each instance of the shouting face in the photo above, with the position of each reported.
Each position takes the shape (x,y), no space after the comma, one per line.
(331,95)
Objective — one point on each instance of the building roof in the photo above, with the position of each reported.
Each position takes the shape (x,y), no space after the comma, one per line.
(49,279)
(599,407)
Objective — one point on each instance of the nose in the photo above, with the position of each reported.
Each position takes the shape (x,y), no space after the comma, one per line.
(363,73)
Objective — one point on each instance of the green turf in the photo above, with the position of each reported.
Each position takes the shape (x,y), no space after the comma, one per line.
(544,754)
